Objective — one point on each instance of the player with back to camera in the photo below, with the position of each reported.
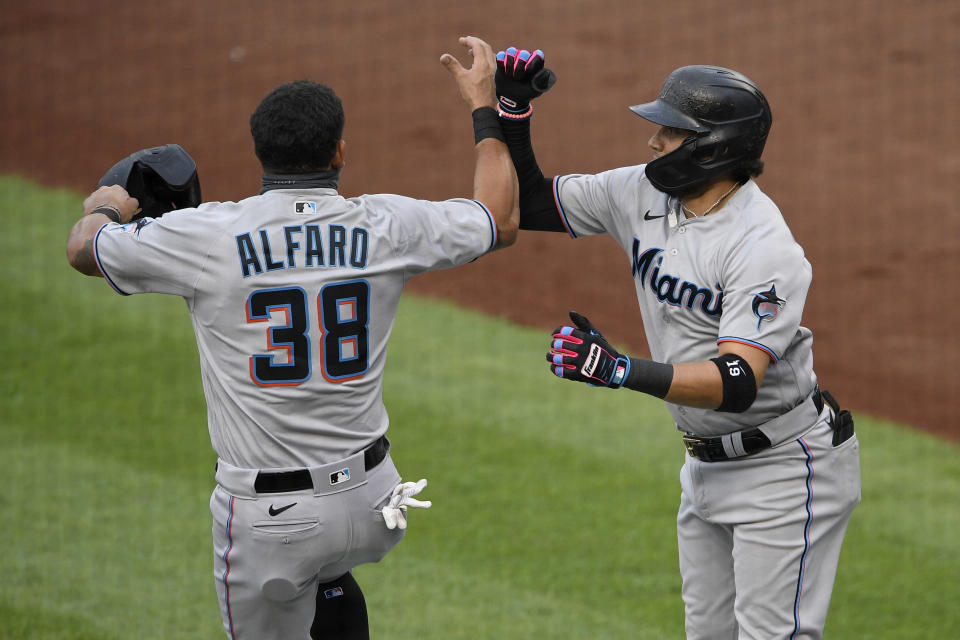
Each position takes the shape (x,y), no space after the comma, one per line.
(771,474)
(293,294)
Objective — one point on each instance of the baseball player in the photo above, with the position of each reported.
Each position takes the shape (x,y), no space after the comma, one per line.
(771,473)
(293,294)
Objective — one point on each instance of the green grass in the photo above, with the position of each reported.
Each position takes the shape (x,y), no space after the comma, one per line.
(554,504)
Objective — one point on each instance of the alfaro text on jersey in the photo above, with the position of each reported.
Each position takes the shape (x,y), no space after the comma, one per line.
(303,246)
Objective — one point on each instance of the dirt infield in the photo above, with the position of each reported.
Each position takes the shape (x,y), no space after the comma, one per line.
(863,158)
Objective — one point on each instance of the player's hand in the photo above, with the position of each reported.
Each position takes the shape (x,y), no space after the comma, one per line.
(476,83)
(520,78)
(581,353)
(113,196)
(395,512)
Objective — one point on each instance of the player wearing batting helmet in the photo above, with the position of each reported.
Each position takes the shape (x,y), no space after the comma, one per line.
(771,474)
(293,293)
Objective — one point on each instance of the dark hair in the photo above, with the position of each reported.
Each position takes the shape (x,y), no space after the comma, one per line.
(744,171)
(296,127)
(748,169)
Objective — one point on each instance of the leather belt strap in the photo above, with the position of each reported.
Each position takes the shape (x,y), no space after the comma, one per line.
(301,479)
(735,445)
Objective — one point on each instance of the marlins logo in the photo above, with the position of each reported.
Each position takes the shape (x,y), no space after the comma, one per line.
(135,226)
(766,304)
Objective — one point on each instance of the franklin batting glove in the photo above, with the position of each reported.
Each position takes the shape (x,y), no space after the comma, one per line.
(581,353)
(520,78)
(395,513)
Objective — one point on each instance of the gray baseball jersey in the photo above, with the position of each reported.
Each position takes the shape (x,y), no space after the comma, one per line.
(743,263)
(759,536)
(293,295)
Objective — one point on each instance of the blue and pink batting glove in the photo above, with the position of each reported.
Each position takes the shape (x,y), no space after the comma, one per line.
(520,78)
(581,353)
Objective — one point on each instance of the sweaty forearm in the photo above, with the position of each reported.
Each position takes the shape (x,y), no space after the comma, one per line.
(538,209)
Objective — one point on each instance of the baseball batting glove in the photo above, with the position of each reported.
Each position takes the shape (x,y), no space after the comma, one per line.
(581,353)
(520,78)
(395,513)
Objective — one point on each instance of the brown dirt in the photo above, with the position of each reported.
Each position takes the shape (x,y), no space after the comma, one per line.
(863,159)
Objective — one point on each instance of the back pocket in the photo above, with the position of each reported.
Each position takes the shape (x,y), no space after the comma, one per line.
(300,527)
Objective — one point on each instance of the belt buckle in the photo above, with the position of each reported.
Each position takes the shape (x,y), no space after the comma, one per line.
(689,441)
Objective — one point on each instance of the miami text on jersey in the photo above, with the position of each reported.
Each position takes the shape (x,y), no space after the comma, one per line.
(303,246)
(670,289)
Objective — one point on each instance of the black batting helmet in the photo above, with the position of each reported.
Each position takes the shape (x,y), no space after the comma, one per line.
(726,112)
(161,178)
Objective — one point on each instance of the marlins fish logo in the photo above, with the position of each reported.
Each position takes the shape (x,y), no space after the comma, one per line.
(134,226)
(766,304)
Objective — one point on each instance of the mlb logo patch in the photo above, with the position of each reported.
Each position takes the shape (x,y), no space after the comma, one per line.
(618,375)
(340,476)
(306,207)
(333,593)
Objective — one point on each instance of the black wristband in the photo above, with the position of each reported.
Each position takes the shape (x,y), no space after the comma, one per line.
(486,124)
(649,377)
(111,212)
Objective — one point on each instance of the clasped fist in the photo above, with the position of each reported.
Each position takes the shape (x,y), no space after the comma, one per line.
(582,354)
(521,77)
(113,196)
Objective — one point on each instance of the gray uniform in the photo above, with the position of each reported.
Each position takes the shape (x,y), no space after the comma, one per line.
(735,276)
(293,295)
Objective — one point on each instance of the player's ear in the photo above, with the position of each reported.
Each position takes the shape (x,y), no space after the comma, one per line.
(338,158)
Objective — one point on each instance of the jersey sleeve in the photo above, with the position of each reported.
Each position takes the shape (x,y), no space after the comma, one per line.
(766,280)
(588,203)
(162,255)
(430,235)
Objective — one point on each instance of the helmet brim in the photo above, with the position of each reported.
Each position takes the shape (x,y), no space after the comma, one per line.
(659,112)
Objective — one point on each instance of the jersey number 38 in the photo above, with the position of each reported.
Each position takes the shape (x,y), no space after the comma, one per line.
(343,310)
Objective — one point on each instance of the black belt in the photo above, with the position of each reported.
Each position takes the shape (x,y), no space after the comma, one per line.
(283,481)
(710,449)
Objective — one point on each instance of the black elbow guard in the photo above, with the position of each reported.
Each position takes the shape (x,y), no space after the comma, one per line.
(739,383)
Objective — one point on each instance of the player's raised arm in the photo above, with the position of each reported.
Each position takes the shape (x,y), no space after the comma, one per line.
(494,181)
(521,77)
(106,204)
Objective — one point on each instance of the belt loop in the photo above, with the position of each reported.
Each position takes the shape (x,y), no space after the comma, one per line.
(733,445)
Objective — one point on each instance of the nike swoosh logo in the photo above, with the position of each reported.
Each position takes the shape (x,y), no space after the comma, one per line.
(647,216)
(276,512)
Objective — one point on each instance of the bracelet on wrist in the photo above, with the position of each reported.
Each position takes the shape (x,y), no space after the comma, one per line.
(486,124)
(110,211)
(523,115)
